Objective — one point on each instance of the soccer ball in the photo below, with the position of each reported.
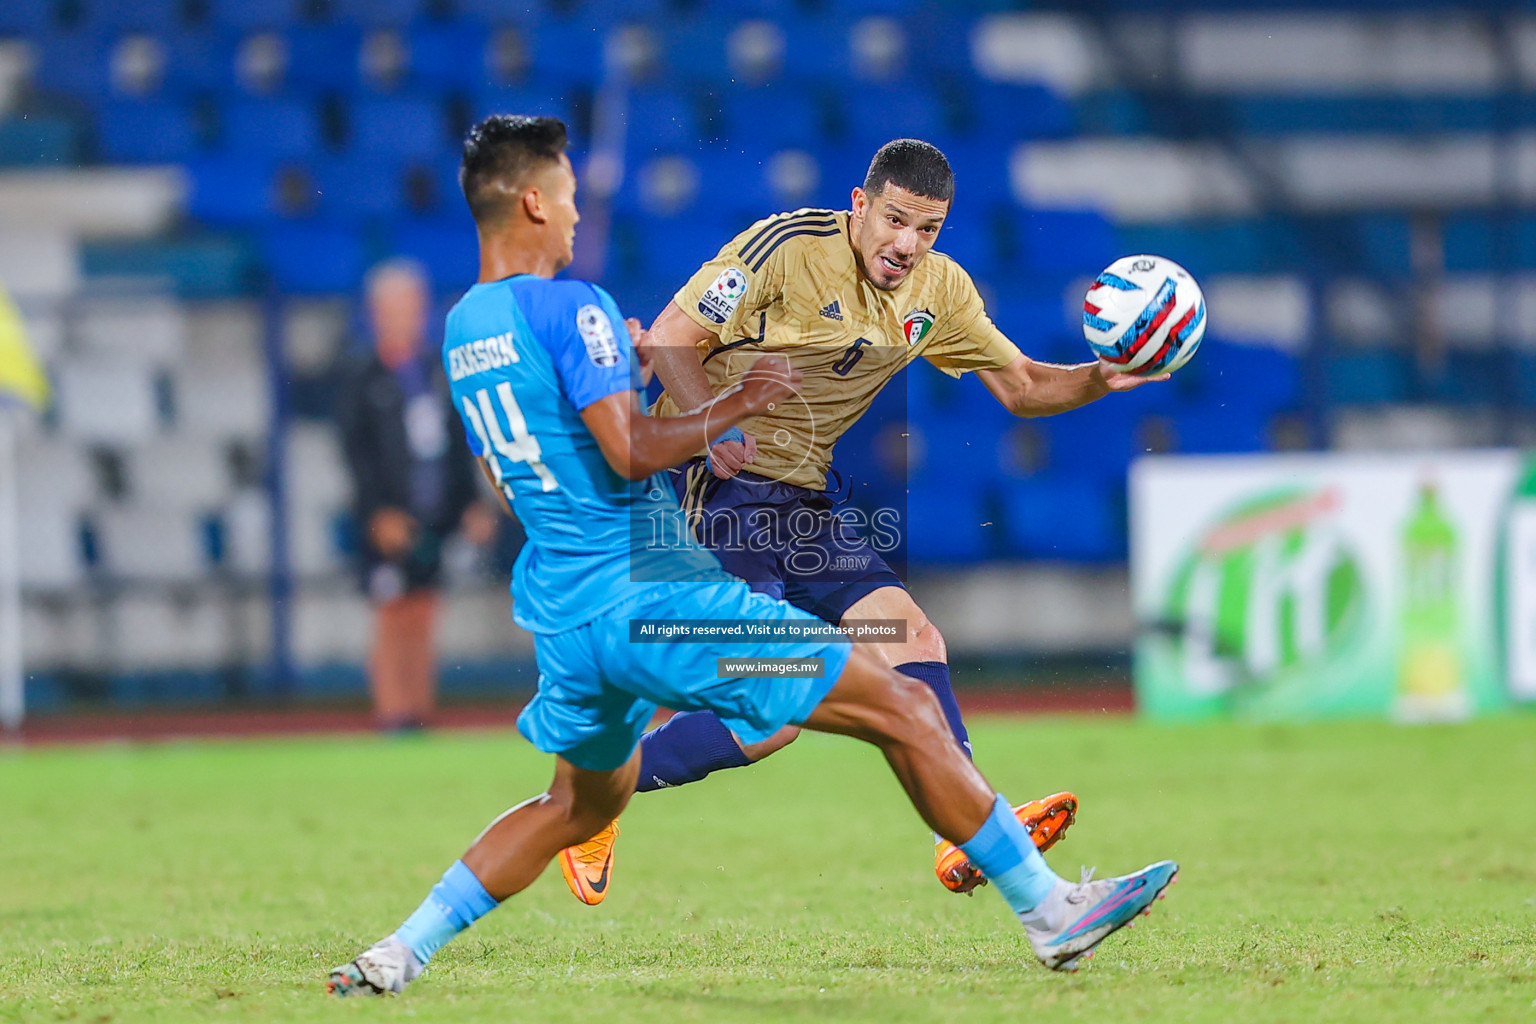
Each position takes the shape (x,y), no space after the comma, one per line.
(1144,315)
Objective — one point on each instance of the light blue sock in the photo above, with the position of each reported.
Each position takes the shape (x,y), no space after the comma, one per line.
(1003,851)
(454,904)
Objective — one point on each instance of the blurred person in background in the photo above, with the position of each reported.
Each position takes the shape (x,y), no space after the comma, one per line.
(413,486)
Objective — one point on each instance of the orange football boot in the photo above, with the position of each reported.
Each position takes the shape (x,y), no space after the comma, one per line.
(588,866)
(1046,820)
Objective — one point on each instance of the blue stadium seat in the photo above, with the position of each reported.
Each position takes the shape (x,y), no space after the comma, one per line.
(566,52)
(376,13)
(981,175)
(661,120)
(451,55)
(1525,379)
(919,115)
(1230,426)
(735,186)
(969,239)
(1041,322)
(1250,246)
(1098,440)
(132,15)
(1264,115)
(27,17)
(201,61)
(1063,517)
(1470,240)
(1266,378)
(202,265)
(954,449)
(403,126)
(1004,113)
(672,248)
(772,117)
(72,63)
(817,50)
(270,127)
(499,12)
(694,48)
(38,141)
(1111,112)
(246,16)
(231,190)
(946,527)
(445,244)
(145,132)
(309,257)
(1064,242)
(355,187)
(1385,243)
(1469,378)
(324,57)
(1367,377)
(528,100)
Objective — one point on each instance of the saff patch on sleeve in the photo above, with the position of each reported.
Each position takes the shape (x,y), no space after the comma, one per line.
(720,300)
(596,332)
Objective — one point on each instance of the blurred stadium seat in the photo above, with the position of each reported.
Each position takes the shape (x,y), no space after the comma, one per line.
(1358,223)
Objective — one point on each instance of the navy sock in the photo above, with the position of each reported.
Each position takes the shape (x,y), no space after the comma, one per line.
(684,749)
(936,675)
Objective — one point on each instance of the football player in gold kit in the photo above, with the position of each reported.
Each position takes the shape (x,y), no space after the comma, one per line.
(850,297)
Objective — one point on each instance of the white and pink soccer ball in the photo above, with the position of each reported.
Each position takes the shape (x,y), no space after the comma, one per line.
(1144,315)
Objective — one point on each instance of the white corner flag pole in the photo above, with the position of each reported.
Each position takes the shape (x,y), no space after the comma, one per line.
(12,681)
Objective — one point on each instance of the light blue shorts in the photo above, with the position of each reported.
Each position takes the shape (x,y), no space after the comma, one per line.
(598,690)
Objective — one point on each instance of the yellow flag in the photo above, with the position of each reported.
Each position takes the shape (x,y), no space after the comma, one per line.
(21,378)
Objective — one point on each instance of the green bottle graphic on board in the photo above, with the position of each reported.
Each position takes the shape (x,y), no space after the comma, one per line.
(1432,683)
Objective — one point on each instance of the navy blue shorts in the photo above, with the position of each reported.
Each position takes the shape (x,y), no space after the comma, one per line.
(785,541)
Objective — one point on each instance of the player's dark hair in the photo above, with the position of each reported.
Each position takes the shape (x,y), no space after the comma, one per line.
(914,165)
(499,154)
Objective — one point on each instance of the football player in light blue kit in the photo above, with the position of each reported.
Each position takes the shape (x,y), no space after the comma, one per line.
(546,376)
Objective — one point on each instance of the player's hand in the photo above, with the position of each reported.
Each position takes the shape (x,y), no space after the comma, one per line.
(770,381)
(728,457)
(640,338)
(392,531)
(1114,381)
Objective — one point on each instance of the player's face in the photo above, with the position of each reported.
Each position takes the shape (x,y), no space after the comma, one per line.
(559,188)
(892,231)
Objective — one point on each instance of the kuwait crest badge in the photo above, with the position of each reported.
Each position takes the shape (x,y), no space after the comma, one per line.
(917,325)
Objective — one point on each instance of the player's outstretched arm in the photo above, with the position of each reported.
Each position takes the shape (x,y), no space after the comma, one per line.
(637,445)
(1028,388)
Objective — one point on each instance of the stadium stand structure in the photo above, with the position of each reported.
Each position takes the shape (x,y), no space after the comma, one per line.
(1352,186)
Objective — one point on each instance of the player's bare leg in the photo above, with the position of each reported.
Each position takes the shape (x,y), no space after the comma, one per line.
(516,847)
(505,859)
(923,655)
(694,744)
(1064,922)
(899,715)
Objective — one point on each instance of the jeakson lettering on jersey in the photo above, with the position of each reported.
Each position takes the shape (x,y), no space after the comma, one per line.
(522,408)
(791,285)
(481,355)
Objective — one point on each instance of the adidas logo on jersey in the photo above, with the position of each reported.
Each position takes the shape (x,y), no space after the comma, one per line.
(832,311)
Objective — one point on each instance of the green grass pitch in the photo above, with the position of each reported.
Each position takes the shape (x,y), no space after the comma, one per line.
(1330,873)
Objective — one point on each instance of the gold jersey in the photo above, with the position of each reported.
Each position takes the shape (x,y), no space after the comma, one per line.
(791,285)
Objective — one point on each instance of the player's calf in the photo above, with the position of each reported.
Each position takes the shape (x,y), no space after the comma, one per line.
(504,860)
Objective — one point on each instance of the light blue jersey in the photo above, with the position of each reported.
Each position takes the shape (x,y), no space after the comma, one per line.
(524,357)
